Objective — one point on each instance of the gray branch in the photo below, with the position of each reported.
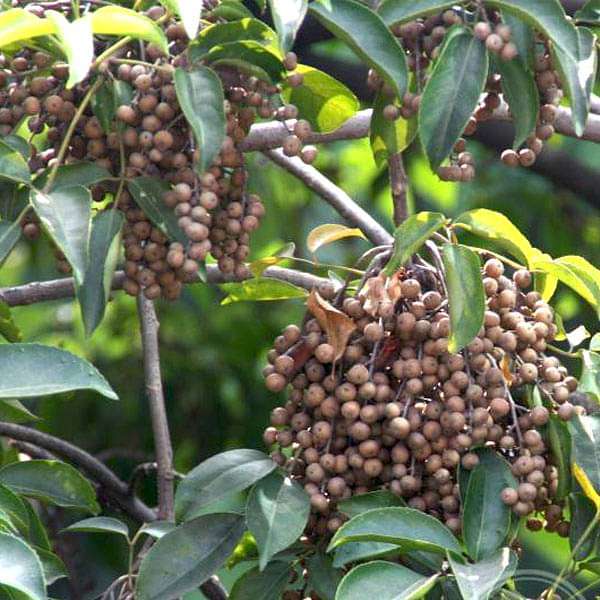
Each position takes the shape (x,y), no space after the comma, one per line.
(398,187)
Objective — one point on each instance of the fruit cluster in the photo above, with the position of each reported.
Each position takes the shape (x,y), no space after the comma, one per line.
(376,400)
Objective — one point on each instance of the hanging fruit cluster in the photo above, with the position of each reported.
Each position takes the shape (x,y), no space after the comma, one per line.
(377,401)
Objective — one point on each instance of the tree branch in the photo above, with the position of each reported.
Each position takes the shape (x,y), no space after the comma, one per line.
(115,489)
(334,196)
(399,188)
(158,413)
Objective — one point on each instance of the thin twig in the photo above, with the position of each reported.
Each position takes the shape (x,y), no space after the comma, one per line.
(333,195)
(399,188)
(158,413)
(116,489)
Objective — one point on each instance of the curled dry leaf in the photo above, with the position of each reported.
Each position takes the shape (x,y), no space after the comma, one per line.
(380,295)
(337,325)
(506,369)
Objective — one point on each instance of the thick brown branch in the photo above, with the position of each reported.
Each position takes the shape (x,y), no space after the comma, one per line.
(115,489)
(399,188)
(333,195)
(158,413)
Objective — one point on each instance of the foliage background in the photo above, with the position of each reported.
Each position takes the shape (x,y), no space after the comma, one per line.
(212,355)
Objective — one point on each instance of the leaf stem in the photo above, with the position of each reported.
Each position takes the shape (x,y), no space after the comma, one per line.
(562,352)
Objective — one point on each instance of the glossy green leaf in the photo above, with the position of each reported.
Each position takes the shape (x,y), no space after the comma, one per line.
(37,536)
(276,514)
(13,411)
(323,577)
(200,95)
(10,234)
(411,235)
(189,11)
(486,519)
(17,24)
(521,93)
(77,42)
(12,164)
(51,481)
(104,250)
(231,10)
(583,286)
(147,193)
(157,529)
(585,433)
(121,21)
(384,581)
(560,446)
(261,289)
(407,528)
(494,226)
(99,525)
(585,270)
(372,41)
(523,37)
(220,476)
(20,568)
(583,511)
(577,75)
(184,558)
(361,503)
(235,31)
(66,215)
(322,100)
(52,566)
(481,580)
(262,585)
(34,370)
(590,12)
(232,503)
(392,11)
(84,174)
(353,552)
(589,382)
(287,16)
(8,327)
(466,296)
(15,508)
(452,93)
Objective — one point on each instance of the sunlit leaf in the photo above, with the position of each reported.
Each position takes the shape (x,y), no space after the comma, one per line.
(332,232)
(8,327)
(585,432)
(20,568)
(287,16)
(392,11)
(261,289)
(17,24)
(586,485)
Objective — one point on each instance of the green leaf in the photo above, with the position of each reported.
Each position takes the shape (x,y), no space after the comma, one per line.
(157,529)
(12,164)
(372,41)
(37,535)
(200,95)
(232,503)
(258,266)
(560,445)
(585,433)
(184,558)
(15,508)
(354,552)
(466,296)
(66,215)
(17,24)
(262,585)
(20,568)
(13,411)
(407,528)
(99,525)
(321,99)
(84,174)
(494,226)
(523,37)
(235,31)
(231,10)
(10,234)
(8,327)
(384,581)
(322,576)
(287,16)
(486,519)
(220,476)
(392,11)
(578,74)
(51,481)
(585,270)
(103,105)
(34,370)
(120,21)
(411,235)
(94,292)
(276,514)
(521,93)
(261,289)
(452,93)
(77,42)
(357,505)
(331,232)
(147,193)
(389,137)
(481,580)
(590,12)
(52,566)
(189,12)
(589,382)
(583,511)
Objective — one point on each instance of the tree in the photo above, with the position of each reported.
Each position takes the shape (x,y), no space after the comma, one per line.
(428,413)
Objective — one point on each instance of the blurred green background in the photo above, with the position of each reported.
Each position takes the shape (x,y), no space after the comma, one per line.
(212,355)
